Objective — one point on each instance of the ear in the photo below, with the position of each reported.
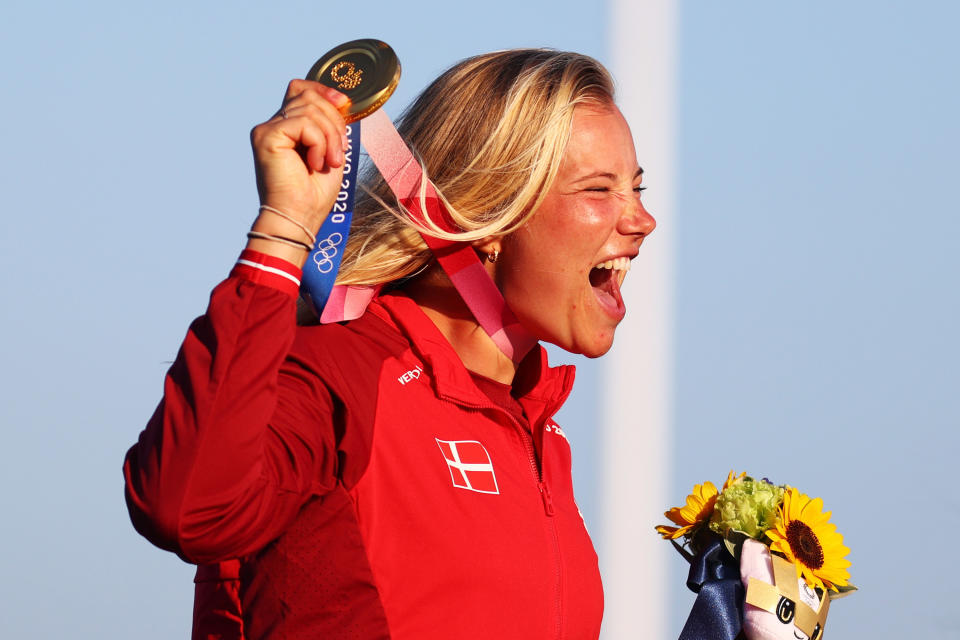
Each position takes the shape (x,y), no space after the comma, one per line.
(488,250)
(488,245)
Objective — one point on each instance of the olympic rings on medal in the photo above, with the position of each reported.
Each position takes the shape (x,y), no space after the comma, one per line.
(325,251)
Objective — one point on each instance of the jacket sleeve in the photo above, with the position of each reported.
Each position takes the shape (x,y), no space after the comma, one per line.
(242,437)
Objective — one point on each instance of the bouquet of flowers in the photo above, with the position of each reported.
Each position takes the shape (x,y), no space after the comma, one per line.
(765,561)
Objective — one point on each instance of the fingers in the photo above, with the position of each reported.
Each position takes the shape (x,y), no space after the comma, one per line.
(323,145)
(321,128)
(330,102)
(299,152)
(299,87)
(310,123)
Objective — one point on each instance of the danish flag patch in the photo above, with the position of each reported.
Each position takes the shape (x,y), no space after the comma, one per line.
(469,465)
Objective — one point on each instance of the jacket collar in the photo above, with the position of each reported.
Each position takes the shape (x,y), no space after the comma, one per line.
(543,388)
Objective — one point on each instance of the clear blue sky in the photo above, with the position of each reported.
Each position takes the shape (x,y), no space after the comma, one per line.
(816,277)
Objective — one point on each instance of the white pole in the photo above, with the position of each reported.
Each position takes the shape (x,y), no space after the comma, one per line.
(639,369)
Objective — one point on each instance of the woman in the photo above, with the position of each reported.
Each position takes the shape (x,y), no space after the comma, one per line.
(397,475)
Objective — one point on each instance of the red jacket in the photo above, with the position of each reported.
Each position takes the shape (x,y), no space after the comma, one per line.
(370,486)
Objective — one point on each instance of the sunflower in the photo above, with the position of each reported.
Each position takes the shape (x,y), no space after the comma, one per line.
(698,509)
(805,536)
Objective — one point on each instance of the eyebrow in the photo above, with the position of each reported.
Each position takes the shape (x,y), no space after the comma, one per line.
(607,174)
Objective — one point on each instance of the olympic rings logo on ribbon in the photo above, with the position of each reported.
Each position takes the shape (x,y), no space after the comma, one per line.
(325,252)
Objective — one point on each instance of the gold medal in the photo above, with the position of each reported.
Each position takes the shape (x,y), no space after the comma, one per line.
(367,71)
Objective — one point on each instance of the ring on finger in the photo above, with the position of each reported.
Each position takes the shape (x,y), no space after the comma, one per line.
(283,113)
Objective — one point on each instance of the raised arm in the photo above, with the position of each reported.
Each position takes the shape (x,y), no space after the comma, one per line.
(233,449)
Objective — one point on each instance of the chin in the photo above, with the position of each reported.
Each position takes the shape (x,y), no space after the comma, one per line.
(590,349)
(596,353)
(591,342)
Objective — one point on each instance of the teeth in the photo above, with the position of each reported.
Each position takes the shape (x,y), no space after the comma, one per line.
(617,264)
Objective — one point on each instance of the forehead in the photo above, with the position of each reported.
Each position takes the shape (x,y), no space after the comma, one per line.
(600,141)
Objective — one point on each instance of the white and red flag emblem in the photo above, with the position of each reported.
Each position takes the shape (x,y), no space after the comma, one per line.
(469,464)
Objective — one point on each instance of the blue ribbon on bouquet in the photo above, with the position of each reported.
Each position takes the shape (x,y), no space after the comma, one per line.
(322,265)
(717,613)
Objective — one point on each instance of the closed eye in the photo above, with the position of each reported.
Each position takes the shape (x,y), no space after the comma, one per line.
(637,189)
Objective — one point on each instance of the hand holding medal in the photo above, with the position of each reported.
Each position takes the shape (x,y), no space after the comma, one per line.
(301,153)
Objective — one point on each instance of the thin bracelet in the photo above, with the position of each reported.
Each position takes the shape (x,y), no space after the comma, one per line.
(311,236)
(287,241)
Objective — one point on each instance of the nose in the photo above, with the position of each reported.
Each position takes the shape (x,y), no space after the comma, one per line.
(636,220)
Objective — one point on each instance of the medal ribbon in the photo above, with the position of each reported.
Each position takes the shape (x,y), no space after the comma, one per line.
(323,263)
(405,177)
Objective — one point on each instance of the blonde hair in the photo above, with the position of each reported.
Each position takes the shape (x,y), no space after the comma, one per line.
(490,133)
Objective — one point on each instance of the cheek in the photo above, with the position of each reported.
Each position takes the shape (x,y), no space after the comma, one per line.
(537,286)
(587,224)
(573,221)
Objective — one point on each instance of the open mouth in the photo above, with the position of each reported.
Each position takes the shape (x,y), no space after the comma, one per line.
(606,278)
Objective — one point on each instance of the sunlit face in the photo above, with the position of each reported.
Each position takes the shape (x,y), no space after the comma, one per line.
(561,272)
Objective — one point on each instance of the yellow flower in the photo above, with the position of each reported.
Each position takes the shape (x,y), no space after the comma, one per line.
(697,510)
(733,479)
(805,536)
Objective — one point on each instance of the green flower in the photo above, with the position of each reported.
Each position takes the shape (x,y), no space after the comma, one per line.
(747,505)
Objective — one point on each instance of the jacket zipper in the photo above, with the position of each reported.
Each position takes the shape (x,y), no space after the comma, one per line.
(551,524)
(548,509)
(527,439)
